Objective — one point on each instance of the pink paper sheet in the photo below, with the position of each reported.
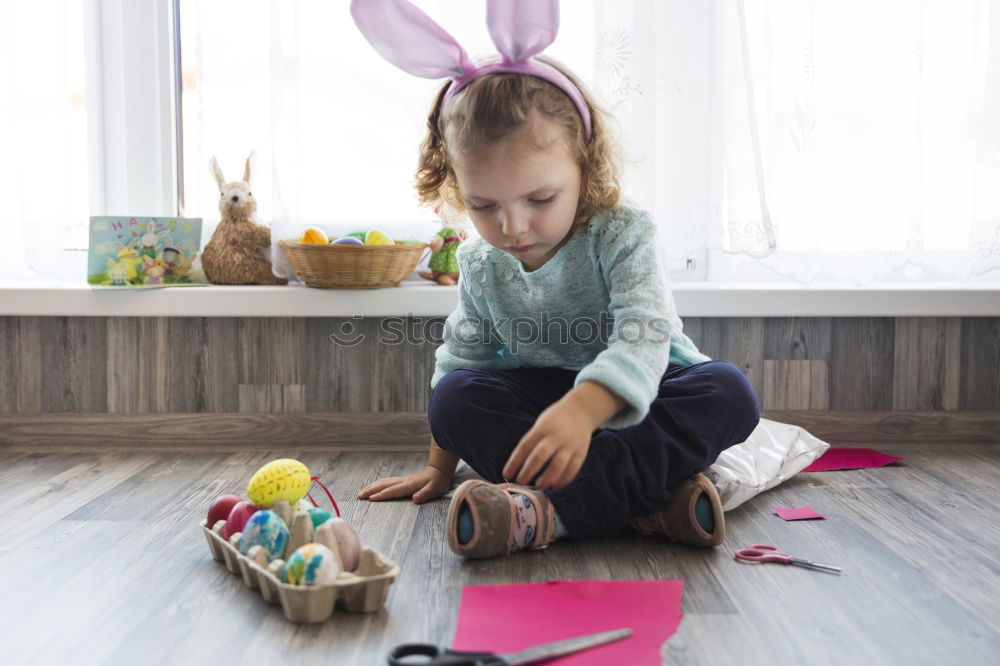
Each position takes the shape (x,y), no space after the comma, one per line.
(509,618)
(803,513)
(845,458)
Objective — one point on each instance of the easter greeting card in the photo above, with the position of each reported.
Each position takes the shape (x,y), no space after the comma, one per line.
(140,252)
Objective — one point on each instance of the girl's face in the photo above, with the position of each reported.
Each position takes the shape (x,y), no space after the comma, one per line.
(522,198)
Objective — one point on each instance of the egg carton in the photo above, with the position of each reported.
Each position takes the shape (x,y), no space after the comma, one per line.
(363,590)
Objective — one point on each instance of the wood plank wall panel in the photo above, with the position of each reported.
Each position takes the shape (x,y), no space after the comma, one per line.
(181,387)
(135,365)
(10,358)
(28,364)
(409,431)
(861,360)
(405,358)
(271,350)
(319,377)
(980,388)
(72,362)
(796,384)
(340,376)
(220,364)
(797,338)
(739,340)
(927,367)
(128,376)
(272,398)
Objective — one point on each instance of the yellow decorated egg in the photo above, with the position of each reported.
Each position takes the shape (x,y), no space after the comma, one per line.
(314,235)
(377,237)
(283,479)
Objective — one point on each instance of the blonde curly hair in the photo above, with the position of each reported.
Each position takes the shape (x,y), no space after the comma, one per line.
(490,109)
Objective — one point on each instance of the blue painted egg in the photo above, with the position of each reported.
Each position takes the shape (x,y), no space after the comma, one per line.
(348,240)
(265,528)
(312,564)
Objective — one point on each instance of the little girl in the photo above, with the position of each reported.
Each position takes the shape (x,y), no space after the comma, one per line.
(564,378)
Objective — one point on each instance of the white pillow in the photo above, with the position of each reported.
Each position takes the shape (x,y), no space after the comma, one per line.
(773,453)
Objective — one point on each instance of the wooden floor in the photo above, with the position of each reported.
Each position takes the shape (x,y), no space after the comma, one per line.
(102,562)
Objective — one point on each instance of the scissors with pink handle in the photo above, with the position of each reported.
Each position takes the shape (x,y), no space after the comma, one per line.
(762,553)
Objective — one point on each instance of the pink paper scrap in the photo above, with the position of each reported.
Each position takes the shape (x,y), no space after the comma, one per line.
(803,513)
(504,619)
(848,458)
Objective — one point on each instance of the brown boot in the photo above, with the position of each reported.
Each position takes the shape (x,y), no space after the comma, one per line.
(678,521)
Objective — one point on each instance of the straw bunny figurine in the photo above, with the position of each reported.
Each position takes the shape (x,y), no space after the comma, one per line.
(238,250)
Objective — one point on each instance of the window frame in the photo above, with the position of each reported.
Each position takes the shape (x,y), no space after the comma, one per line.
(131,103)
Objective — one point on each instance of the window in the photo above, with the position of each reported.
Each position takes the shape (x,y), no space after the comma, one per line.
(765,148)
(44,184)
(336,128)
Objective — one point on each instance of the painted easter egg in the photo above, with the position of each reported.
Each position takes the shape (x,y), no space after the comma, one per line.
(319,516)
(315,236)
(312,564)
(220,508)
(265,528)
(347,542)
(238,517)
(348,240)
(283,479)
(378,237)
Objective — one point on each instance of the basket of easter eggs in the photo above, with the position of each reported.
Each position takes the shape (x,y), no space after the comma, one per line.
(368,259)
(294,553)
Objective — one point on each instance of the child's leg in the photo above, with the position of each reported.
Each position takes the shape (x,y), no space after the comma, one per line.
(700,411)
(481,415)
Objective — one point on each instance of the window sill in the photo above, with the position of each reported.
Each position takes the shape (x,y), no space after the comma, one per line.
(421,298)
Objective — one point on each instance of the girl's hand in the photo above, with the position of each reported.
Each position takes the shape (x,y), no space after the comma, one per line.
(424,485)
(559,437)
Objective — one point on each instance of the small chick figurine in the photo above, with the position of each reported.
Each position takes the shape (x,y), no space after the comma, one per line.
(237,252)
(444,263)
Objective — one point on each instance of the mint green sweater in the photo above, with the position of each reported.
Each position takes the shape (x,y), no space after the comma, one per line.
(604,301)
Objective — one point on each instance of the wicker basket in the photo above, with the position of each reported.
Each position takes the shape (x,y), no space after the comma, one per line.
(352,266)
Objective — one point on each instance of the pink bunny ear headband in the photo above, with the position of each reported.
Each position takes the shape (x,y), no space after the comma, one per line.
(520,29)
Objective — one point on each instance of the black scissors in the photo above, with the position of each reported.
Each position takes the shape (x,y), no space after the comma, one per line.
(432,655)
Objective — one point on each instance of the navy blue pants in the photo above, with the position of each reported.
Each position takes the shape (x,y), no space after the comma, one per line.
(700,410)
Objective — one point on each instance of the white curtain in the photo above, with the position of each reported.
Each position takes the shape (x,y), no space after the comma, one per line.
(816,140)
(43,137)
(336,127)
(805,141)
